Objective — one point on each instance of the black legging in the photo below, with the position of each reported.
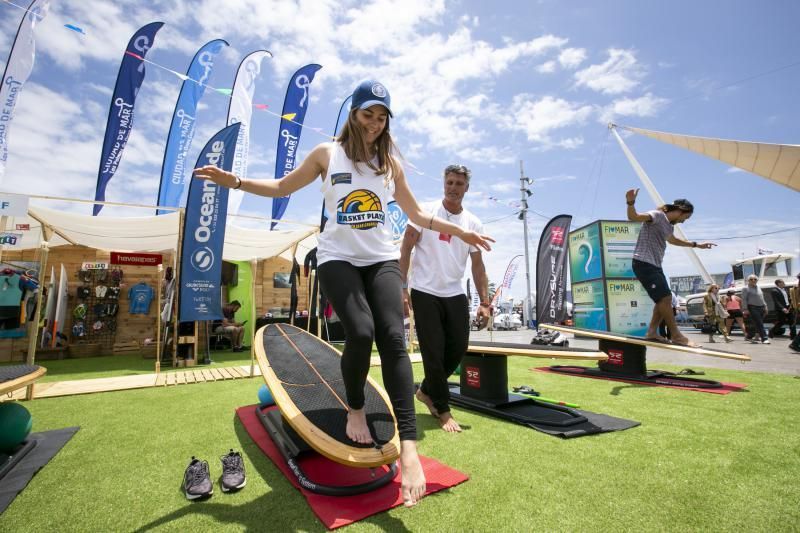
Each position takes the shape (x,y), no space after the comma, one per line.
(443,333)
(368,300)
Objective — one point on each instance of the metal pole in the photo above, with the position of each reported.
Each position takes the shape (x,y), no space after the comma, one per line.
(523,191)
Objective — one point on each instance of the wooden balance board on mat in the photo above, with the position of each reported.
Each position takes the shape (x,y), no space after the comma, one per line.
(533,350)
(19,376)
(303,374)
(629,339)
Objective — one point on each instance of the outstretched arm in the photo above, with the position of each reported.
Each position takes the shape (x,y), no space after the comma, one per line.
(407,202)
(672,239)
(312,166)
(633,216)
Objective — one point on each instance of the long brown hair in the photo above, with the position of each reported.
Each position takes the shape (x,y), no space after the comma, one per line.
(352,140)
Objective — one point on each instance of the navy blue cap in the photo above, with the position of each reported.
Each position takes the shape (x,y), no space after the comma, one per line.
(370,93)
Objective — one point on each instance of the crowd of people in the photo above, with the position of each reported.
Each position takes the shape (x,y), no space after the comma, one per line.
(749,310)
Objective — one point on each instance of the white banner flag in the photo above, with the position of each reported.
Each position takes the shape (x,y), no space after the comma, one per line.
(18,68)
(240,110)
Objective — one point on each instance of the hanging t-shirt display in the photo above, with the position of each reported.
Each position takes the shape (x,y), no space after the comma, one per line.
(10,291)
(140,296)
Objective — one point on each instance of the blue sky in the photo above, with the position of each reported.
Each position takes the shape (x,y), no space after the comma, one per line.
(485,84)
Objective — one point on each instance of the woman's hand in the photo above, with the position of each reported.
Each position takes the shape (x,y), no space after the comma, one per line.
(476,239)
(217,175)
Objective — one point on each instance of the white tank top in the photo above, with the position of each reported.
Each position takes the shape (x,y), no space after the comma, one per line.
(356,200)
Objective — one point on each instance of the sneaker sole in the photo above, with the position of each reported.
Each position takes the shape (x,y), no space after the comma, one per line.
(233,488)
(196,496)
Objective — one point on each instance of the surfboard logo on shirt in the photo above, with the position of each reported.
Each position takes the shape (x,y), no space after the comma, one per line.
(361,209)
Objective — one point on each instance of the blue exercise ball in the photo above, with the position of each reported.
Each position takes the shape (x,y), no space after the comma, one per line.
(15,424)
(265,396)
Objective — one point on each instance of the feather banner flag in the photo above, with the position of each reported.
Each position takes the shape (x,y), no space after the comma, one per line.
(18,68)
(241,110)
(204,233)
(551,271)
(120,113)
(181,130)
(295,106)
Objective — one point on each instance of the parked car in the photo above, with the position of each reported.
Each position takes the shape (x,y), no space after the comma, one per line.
(507,321)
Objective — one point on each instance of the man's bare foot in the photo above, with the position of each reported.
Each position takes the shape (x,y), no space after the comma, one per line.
(357,428)
(654,336)
(424,398)
(684,341)
(449,423)
(412,486)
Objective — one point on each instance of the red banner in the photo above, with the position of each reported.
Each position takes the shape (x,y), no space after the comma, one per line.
(134,258)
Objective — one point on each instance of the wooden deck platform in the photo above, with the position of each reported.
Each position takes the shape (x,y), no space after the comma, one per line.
(141,381)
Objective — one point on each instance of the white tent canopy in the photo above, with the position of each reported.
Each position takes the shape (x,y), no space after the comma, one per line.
(150,234)
(776,162)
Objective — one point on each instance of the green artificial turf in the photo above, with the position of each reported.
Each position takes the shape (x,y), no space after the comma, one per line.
(108,366)
(698,462)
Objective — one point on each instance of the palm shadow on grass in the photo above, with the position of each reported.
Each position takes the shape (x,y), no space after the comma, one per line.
(282,509)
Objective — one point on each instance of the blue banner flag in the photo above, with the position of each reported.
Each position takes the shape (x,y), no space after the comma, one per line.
(181,130)
(204,233)
(120,113)
(294,113)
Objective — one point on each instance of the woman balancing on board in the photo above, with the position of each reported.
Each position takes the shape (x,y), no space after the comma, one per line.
(657,231)
(358,264)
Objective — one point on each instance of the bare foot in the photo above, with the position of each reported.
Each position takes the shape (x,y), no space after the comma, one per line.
(424,398)
(656,338)
(357,428)
(412,486)
(684,341)
(449,423)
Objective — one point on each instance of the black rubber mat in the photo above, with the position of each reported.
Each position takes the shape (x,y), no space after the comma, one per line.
(548,418)
(653,377)
(48,443)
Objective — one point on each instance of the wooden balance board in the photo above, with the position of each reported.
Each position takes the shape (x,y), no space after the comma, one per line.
(304,375)
(630,339)
(533,350)
(18,376)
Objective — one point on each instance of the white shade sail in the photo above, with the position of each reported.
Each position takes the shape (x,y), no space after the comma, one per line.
(776,162)
(150,234)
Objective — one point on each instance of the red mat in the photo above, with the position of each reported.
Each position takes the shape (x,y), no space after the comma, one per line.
(338,511)
(726,388)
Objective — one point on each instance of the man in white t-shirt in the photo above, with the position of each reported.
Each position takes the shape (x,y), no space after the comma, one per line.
(441,309)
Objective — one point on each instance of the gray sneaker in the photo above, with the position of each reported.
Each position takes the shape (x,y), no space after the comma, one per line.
(196,480)
(233,477)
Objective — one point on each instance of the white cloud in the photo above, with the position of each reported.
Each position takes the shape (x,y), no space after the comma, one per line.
(546,67)
(618,74)
(734,170)
(556,178)
(572,57)
(537,119)
(504,186)
(644,106)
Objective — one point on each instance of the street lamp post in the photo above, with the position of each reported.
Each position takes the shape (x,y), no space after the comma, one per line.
(523,216)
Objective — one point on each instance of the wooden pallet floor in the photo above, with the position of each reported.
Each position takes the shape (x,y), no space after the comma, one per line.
(141,381)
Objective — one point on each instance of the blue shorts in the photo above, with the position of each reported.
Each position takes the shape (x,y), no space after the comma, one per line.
(652,279)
